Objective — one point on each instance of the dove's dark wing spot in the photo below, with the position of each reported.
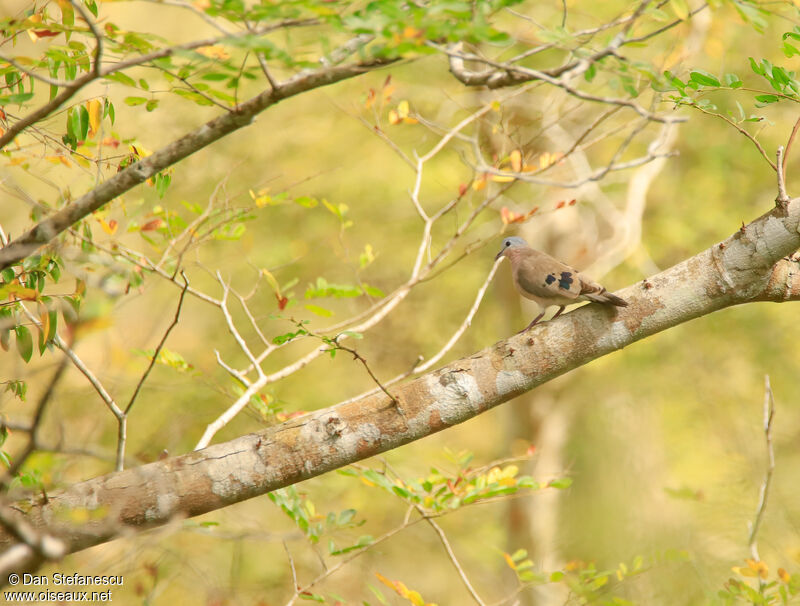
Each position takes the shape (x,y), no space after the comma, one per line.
(566,280)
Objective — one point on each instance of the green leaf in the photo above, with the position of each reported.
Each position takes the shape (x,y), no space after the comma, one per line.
(162,181)
(590,73)
(320,311)
(16,98)
(196,97)
(83,123)
(767,99)
(373,291)
(790,50)
(704,78)
(24,342)
(306,201)
(560,483)
(732,81)
(122,78)
(135,101)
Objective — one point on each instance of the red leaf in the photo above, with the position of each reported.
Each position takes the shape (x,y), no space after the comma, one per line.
(462,189)
(152,225)
(45,33)
(572,202)
(282,301)
(560,204)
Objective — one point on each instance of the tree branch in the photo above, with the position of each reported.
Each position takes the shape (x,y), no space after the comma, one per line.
(748,266)
(212,131)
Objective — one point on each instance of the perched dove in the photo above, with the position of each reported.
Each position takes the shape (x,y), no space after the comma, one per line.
(541,278)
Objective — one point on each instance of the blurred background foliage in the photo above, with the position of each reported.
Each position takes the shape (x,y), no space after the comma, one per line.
(663,442)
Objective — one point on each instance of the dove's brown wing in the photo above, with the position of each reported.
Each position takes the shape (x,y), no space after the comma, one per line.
(546,278)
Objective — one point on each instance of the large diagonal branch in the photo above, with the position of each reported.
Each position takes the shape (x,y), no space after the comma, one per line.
(212,131)
(751,265)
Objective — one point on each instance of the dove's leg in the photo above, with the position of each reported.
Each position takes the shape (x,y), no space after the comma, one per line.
(558,313)
(535,320)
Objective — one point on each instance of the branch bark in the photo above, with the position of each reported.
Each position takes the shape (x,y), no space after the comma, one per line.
(751,265)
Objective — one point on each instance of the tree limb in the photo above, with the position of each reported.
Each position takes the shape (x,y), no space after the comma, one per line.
(211,131)
(748,266)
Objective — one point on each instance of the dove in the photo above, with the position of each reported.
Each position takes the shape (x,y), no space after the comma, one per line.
(548,282)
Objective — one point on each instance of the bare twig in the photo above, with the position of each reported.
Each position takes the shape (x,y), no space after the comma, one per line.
(346,560)
(295,586)
(451,554)
(122,427)
(160,346)
(769,413)
(789,147)
(360,358)
(98,36)
(782,198)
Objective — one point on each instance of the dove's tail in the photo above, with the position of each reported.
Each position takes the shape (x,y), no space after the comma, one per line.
(607,298)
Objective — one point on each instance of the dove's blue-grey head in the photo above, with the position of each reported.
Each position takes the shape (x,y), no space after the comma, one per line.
(511,242)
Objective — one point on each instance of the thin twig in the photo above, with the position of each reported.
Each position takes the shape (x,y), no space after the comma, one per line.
(122,427)
(451,554)
(160,346)
(769,413)
(98,36)
(782,198)
(360,358)
(789,147)
(295,586)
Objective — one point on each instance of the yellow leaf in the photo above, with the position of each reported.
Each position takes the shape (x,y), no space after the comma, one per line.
(403,109)
(495,106)
(516,160)
(214,52)
(271,279)
(95,109)
(509,561)
(44,319)
(502,178)
(510,471)
(110,228)
(745,572)
(479,183)
(784,576)
(393,117)
(80,160)
(415,598)
(367,482)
